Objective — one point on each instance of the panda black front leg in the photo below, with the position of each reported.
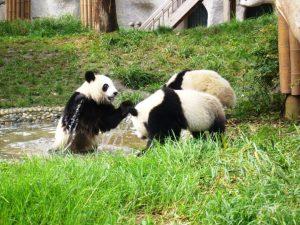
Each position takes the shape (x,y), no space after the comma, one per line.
(113,117)
(149,144)
(125,107)
(174,135)
(199,135)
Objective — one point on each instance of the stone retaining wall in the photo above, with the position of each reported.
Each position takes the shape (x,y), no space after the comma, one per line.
(29,115)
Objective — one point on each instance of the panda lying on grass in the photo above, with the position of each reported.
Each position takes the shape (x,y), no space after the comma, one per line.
(166,112)
(88,111)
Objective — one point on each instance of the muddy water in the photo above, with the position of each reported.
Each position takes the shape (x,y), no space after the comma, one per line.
(35,140)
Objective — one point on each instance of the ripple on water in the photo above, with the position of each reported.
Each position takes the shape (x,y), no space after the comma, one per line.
(36,140)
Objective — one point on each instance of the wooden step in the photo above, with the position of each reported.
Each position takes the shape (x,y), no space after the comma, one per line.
(179,15)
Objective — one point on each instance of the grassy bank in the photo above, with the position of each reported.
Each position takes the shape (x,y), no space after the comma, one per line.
(251,178)
(42,63)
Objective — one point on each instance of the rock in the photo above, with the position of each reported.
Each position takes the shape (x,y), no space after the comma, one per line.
(32,114)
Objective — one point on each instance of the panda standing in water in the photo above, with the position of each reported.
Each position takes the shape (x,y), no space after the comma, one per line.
(166,112)
(88,111)
(207,81)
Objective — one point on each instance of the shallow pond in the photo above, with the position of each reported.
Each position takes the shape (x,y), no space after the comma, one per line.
(35,140)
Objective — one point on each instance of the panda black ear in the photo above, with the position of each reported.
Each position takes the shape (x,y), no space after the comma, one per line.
(133,111)
(89,76)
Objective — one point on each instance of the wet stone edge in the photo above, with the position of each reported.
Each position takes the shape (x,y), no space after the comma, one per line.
(29,115)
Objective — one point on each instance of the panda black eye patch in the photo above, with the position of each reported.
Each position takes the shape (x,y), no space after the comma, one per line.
(105,87)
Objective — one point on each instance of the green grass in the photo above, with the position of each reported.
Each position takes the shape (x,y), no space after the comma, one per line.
(46,27)
(252,177)
(43,62)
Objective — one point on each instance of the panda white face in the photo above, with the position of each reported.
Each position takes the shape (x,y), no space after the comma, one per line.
(108,91)
(98,87)
(139,127)
(140,114)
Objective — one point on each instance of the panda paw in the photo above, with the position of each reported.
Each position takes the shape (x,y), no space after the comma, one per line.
(126,107)
(127,104)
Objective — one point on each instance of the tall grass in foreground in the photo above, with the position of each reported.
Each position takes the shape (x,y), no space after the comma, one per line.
(252,178)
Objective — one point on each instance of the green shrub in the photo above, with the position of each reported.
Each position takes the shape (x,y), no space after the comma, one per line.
(45,27)
(135,77)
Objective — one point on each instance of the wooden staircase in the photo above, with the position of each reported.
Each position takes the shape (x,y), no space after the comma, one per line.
(169,14)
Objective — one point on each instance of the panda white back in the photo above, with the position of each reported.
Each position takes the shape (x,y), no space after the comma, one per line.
(191,80)
(200,109)
(205,81)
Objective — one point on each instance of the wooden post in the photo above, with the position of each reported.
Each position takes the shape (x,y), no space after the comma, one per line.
(27,9)
(13,9)
(91,22)
(99,14)
(295,64)
(22,11)
(289,66)
(81,19)
(92,13)
(18,9)
(292,108)
(84,12)
(96,16)
(88,13)
(284,55)
(292,104)
(7,9)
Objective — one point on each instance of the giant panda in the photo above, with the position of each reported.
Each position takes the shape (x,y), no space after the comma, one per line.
(88,111)
(166,112)
(205,81)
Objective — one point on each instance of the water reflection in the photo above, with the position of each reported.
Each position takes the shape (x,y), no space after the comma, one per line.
(35,140)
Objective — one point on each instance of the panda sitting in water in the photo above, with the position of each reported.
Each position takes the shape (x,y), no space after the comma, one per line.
(166,112)
(88,111)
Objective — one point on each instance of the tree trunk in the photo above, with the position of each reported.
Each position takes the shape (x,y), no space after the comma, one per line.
(106,16)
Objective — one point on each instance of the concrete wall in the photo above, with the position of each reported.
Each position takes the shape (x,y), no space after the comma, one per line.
(55,8)
(134,10)
(215,11)
(127,10)
(139,10)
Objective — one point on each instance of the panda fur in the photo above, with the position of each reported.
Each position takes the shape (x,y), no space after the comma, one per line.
(166,112)
(205,81)
(88,111)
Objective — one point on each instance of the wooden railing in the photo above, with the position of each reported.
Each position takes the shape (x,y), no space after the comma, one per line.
(162,14)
